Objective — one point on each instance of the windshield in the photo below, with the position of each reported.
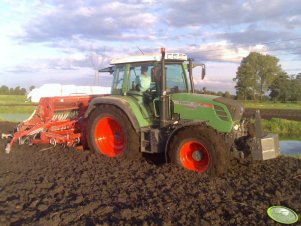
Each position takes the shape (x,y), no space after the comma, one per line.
(142,77)
(175,78)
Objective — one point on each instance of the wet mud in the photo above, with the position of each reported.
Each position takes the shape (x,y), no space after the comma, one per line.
(67,187)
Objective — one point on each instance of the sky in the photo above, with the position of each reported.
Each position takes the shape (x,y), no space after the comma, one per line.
(52,41)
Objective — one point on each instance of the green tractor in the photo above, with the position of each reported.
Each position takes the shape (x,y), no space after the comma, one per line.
(152,109)
(163,114)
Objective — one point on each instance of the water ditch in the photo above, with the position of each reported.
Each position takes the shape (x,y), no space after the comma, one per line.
(290,147)
(14,117)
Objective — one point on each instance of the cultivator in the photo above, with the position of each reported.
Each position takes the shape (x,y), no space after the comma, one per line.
(57,120)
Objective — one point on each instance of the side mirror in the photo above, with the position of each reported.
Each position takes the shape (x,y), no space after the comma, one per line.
(203,71)
(108,69)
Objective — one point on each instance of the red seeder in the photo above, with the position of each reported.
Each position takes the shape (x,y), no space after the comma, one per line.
(57,120)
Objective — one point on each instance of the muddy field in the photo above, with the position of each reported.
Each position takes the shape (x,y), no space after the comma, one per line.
(67,187)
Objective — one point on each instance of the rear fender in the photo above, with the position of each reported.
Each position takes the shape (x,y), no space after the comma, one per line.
(118,102)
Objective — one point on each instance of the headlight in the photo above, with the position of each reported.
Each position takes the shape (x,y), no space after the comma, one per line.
(236,127)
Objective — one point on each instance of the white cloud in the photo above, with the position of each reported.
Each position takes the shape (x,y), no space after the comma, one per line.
(232,12)
(85,11)
(102,20)
(222,51)
(54,35)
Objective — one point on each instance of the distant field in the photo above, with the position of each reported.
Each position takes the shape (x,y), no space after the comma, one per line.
(272,105)
(17,109)
(13,99)
(18,100)
(16,104)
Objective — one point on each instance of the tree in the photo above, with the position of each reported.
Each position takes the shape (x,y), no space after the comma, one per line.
(17,90)
(227,95)
(280,88)
(22,91)
(4,90)
(31,88)
(255,75)
(245,85)
(219,93)
(295,88)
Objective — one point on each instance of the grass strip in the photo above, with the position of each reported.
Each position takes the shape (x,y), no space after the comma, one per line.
(272,105)
(13,99)
(17,109)
(286,129)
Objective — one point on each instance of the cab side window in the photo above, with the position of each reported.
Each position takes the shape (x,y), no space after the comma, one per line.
(118,80)
(139,76)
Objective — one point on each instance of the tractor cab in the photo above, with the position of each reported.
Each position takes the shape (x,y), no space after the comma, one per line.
(140,78)
(128,70)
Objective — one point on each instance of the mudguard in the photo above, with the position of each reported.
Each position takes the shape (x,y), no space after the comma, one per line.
(120,103)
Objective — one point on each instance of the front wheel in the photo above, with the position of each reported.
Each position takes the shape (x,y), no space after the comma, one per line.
(199,149)
(111,133)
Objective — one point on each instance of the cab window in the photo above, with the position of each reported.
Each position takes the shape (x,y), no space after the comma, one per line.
(136,71)
(118,80)
(175,78)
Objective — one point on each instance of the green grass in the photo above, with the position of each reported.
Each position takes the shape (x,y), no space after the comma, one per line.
(272,105)
(15,99)
(286,129)
(17,109)
(298,156)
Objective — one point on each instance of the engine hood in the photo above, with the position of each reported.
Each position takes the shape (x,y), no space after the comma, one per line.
(220,104)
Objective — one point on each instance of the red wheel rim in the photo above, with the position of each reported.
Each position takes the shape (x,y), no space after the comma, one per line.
(194,156)
(109,137)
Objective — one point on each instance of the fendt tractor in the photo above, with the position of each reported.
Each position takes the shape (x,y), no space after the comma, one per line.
(160,113)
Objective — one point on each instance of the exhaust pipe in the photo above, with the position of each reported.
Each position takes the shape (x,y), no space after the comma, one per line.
(164,98)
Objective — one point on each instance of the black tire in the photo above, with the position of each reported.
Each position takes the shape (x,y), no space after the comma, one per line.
(211,152)
(127,140)
(246,145)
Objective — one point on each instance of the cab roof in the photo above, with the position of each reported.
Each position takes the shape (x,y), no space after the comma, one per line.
(145,58)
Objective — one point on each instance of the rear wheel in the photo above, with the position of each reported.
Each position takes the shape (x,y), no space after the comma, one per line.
(111,133)
(200,149)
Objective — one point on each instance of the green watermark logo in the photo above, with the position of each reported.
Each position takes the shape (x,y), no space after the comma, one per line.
(282,214)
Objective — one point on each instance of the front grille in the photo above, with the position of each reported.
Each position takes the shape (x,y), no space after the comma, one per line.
(221,113)
(235,107)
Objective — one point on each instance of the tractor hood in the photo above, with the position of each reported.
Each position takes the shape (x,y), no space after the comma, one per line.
(218,111)
(234,107)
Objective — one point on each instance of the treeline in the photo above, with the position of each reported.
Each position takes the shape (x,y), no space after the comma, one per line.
(4,90)
(286,88)
(260,77)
